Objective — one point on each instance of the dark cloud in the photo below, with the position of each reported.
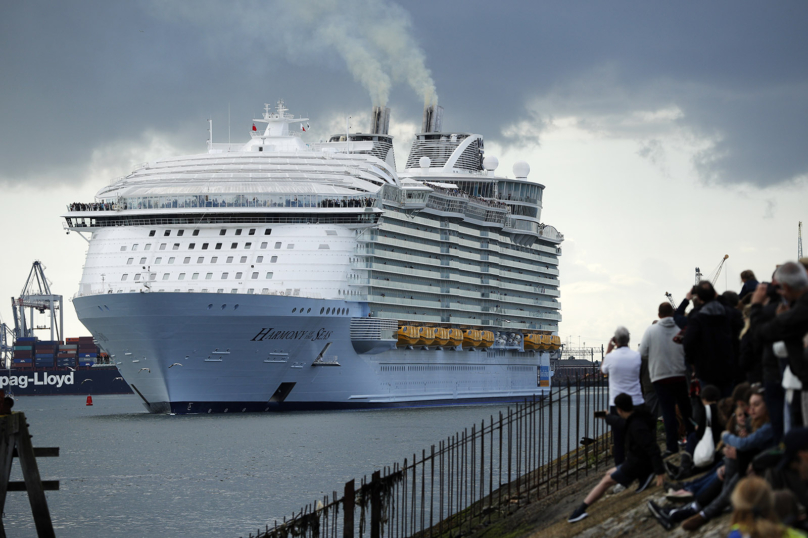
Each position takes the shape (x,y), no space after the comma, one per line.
(84,75)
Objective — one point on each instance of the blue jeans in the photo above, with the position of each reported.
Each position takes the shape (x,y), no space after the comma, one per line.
(670,395)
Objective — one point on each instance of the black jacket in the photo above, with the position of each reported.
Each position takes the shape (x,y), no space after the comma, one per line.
(716,424)
(641,443)
(708,344)
(790,326)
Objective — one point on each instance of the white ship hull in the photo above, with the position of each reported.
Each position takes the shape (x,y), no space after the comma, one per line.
(203,353)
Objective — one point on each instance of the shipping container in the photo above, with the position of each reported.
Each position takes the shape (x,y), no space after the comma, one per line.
(69,346)
(27,339)
(22,361)
(23,354)
(88,355)
(24,348)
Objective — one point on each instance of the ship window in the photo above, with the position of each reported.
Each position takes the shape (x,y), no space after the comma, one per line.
(214,259)
(321,310)
(142,261)
(273,259)
(308,310)
(180,233)
(157,261)
(151,233)
(196,232)
(294,310)
(264,244)
(234,290)
(252,231)
(238,231)
(277,245)
(208,276)
(268,231)
(250,291)
(187,259)
(124,277)
(238,276)
(162,246)
(323,247)
(182,276)
(171,260)
(200,259)
(328,311)
(134,247)
(123,249)
(147,247)
(220,290)
(167,233)
(218,246)
(191,246)
(243,259)
(233,245)
(176,246)
(255,276)
(129,261)
(137,277)
(247,246)
(229,259)
(259,259)
(194,276)
(224,277)
(222,232)
(330,232)
(290,246)
(269,276)
(204,246)
(166,275)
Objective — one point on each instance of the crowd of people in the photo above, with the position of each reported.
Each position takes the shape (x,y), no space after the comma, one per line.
(725,375)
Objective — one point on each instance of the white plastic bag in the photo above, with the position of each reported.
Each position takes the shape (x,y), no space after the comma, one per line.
(704,454)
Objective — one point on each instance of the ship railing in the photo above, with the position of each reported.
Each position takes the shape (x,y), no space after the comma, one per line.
(477,477)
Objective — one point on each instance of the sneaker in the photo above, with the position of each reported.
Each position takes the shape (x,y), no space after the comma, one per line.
(694,523)
(679,495)
(578,514)
(660,515)
(671,469)
(645,482)
(680,514)
(618,488)
(671,485)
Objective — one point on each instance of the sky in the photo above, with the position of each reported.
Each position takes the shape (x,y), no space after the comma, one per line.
(666,135)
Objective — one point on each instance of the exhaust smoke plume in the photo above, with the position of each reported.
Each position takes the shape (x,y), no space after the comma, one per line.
(372,37)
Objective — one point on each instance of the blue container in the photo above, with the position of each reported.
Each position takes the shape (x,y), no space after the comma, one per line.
(88,355)
(39,355)
(27,339)
(86,364)
(24,348)
(22,361)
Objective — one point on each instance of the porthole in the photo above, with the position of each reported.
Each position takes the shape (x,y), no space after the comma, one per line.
(308,310)
(294,310)
(224,306)
(328,311)
(235,307)
(321,310)
(210,306)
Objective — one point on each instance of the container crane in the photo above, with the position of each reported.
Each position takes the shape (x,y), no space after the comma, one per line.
(699,277)
(36,296)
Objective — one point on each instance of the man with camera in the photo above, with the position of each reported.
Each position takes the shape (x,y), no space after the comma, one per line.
(622,365)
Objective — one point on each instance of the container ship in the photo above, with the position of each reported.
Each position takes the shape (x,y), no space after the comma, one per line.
(52,367)
(277,275)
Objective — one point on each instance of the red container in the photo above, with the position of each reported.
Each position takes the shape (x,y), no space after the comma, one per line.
(72,340)
(20,354)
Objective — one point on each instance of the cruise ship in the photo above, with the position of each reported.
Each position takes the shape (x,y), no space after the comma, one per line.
(278,275)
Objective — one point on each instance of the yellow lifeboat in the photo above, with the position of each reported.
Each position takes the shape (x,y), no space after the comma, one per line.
(472,338)
(487,339)
(455,337)
(407,335)
(427,336)
(556,342)
(546,341)
(441,336)
(532,341)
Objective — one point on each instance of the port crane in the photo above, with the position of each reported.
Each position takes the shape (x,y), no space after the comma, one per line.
(799,241)
(699,277)
(36,296)
(6,344)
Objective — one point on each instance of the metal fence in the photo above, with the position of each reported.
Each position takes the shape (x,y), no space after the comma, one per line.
(473,477)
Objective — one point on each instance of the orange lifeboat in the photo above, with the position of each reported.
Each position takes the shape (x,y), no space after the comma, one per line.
(441,336)
(556,342)
(546,341)
(455,337)
(532,341)
(407,335)
(487,339)
(426,336)
(472,338)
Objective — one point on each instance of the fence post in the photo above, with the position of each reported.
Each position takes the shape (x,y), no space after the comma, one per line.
(348,510)
(375,505)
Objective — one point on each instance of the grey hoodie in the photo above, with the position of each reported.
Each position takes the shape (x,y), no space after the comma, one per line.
(665,357)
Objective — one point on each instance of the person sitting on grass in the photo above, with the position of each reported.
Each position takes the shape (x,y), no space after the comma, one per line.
(643,457)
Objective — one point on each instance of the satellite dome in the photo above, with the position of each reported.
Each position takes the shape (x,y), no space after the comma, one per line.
(490,163)
(521,169)
(424,162)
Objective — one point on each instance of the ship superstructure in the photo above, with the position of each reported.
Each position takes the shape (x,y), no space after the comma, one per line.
(280,275)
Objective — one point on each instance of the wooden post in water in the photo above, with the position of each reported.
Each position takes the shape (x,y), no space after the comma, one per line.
(16,441)
(348,510)
(376,504)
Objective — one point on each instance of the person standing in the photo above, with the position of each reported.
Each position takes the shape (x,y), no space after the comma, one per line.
(668,373)
(622,365)
(750,283)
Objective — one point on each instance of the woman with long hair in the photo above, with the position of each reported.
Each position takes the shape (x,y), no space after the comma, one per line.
(753,514)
